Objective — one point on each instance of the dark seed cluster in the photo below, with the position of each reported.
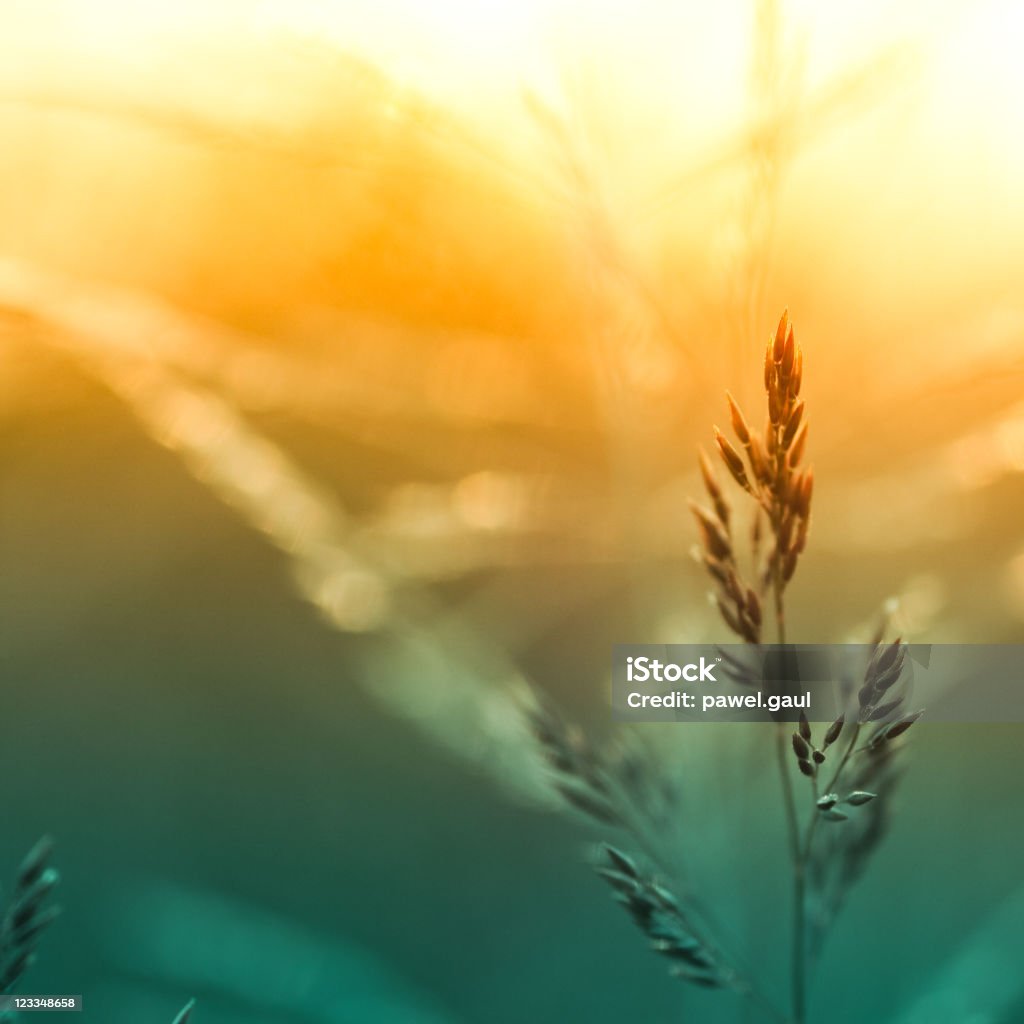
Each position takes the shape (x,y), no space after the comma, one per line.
(29,913)
(658,914)
(809,757)
(880,699)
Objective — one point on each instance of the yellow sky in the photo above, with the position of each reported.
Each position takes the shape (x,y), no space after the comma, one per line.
(927,167)
(474,50)
(667,79)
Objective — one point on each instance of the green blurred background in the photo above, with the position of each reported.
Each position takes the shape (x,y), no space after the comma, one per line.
(238,820)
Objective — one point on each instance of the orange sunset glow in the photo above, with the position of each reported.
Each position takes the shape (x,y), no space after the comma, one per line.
(494,261)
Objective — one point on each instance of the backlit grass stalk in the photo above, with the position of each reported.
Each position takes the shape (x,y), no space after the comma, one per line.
(769,471)
(771,475)
(832,830)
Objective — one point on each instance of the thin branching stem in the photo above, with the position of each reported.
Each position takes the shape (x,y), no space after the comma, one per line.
(830,788)
(799,897)
(798,979)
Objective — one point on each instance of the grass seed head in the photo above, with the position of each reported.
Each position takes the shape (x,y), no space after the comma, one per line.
(732,459)
(833,731)
(739,424)
(781,331)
